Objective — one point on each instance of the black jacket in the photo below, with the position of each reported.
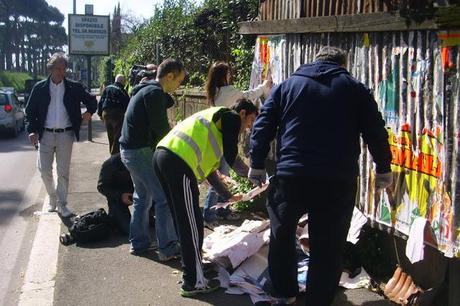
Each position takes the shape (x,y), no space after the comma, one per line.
(113,95)
(114,179)
(39,100)
(318,115)
(146,119)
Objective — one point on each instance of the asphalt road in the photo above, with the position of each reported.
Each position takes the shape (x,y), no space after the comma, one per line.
(21,195)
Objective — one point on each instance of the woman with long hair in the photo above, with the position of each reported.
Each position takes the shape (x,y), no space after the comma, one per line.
(220,92)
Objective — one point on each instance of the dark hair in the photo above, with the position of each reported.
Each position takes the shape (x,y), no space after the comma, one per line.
(245,104)
(217,77)
(150,74)
(331,54)
(170,65)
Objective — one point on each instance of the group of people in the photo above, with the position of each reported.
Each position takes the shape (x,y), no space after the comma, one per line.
(317,116)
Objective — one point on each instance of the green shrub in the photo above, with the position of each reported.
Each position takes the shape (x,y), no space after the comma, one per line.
(242,187)
(14,79)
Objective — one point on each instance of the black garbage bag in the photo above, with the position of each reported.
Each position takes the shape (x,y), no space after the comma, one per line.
(90,227)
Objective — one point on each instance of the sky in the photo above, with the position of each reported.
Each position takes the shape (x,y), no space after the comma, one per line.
(141,8)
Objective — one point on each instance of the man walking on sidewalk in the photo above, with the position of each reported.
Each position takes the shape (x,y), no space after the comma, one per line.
(145,123)
(318,115)
(111,108)
(53,121)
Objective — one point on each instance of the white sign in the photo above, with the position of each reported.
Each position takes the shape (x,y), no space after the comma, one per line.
(89,9)
(89,34)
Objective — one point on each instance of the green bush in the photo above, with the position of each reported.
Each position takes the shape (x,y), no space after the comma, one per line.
(14,79)
(105,69)
(197,35)
(242,187)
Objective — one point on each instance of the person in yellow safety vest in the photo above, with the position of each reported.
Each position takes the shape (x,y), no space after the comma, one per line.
(189,154)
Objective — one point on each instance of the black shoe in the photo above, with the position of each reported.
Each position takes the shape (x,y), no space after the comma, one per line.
(66,239)
(210,270)
(190,291)
(139,252)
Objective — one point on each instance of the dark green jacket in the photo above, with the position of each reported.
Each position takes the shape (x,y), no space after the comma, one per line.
(146,119)
(113,96)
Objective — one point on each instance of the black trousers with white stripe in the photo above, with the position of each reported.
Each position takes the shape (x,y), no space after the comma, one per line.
(181,188)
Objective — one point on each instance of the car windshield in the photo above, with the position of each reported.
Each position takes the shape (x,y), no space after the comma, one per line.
(3,99)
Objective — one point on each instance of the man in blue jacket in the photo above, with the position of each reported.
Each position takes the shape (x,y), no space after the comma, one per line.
(318,115)
(53,121)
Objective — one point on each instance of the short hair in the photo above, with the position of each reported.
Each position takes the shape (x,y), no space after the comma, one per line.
(120,78)
(58,57)
(245,104)
(331,54)
(170,65)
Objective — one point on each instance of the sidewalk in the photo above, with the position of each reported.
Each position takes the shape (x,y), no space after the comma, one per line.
(106,274)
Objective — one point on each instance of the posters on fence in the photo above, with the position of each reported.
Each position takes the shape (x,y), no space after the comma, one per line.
(268,59)
(424,146)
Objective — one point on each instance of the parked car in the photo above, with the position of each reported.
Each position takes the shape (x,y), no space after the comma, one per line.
(12,118)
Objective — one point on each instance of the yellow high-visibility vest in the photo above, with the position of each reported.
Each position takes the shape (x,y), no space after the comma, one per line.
(198,142)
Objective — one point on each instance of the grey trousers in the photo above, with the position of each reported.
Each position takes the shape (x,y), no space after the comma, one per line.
(59,144)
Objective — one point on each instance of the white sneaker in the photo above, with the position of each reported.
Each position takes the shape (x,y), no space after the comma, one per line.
(64,211)
(51,207)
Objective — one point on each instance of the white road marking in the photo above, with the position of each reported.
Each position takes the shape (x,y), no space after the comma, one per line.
(39,279)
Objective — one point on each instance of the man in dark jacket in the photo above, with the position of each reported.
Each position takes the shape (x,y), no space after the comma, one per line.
(145,123)
(116,185)
(53,121)
(111,108)
(318,115)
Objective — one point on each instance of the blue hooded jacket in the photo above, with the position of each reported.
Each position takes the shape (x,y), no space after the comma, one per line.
(318,115)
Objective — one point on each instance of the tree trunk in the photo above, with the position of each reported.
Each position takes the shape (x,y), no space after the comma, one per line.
(2,60)
(23,54)
(7,44)
(16,42)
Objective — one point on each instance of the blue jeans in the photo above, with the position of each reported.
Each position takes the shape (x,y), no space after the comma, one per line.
(146,188)
(212,198)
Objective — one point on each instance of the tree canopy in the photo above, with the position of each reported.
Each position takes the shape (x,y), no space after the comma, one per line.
(197,35)
(30,30)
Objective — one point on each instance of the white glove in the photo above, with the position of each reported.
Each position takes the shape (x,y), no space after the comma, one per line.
(383,180)
(257,176)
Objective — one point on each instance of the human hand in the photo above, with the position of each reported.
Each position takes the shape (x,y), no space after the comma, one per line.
(33,137)
(383,180)
(86,116)
(257,176)
(127,198)
(227,180)
(235,198)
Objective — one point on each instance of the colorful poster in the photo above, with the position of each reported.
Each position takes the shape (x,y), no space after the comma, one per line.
(268,59)
(418,189)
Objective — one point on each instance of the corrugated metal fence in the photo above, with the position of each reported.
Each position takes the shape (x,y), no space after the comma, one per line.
(287,9)
(416,83)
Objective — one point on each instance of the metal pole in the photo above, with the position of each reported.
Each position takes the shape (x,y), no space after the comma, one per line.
(88,71)
(74,6)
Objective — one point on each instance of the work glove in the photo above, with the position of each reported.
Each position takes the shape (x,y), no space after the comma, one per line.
(383,180)
(257,176)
